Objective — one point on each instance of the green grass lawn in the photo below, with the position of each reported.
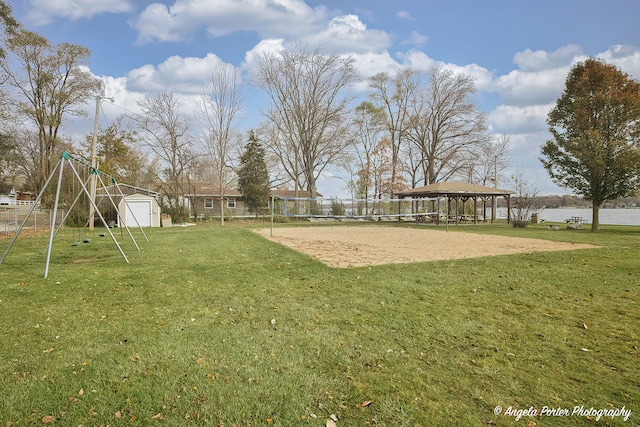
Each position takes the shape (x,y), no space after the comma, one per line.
(217,326)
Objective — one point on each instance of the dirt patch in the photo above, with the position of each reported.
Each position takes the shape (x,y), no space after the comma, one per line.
(371,245)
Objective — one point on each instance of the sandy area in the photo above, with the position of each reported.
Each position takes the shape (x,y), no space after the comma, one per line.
(375,245)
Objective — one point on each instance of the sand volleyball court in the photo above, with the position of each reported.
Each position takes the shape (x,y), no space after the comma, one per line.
(359,246)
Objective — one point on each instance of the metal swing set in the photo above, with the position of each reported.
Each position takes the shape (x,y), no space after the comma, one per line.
(68,159)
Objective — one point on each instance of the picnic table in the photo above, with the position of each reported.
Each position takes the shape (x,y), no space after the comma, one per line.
(576,220)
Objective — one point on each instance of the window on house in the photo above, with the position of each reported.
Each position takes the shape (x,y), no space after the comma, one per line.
(208,202)
(231,203)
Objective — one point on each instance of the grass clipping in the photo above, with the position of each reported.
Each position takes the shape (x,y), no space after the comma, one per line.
(365,246)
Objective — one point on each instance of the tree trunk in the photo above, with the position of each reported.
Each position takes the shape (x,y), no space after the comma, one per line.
(595,213)
(221,209)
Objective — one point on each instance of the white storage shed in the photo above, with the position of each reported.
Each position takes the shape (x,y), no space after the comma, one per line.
(139,209)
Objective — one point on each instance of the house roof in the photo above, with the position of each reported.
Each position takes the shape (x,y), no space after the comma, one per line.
(455,189)
(209,190)
(9,190)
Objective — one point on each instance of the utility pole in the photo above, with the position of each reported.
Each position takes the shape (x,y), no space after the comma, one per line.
(94,162)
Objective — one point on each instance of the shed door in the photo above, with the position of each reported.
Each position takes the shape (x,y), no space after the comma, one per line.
(139,210)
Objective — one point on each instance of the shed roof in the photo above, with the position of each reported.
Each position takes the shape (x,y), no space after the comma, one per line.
(455,189)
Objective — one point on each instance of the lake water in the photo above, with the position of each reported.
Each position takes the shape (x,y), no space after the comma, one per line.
(607,216)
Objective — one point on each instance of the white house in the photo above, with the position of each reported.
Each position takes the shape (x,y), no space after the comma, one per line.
(8,196)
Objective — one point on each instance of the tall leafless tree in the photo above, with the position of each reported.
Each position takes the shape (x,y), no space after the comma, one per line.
(367,129)
(308,108)
(445,124)
(394,96)
(165,131)
(490,160)
(222,100)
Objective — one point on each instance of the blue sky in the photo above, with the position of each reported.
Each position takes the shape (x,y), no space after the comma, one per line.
(518,51)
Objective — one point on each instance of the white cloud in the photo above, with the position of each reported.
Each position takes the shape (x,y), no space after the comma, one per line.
(290,20)
(527,88)
(510,119)
(626,57)
(370,64)
(542,75)
(265,46)
(43,12)
(416,39)
(418,60)
(178,74)
(349,34)
(539,60)
(268,18)
(403,14)
(124,100)
(524,153)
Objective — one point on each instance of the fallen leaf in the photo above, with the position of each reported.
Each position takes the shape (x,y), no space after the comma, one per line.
(585,326)
(331,423)
(366,403)
(200,360)
(117,415)
(80,392)
(585,349)
(269,420)
(333,417)
(157,417)
(48,419)
(49,350)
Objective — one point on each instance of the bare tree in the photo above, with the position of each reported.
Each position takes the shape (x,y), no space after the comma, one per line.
(368,126)
(525,201)
(445,124)
(279,174)
(394,95)
(164,130)
(307,108)
(222,100)
(51,82)
(490,160)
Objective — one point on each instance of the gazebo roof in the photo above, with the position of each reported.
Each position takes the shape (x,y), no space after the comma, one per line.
(454,189)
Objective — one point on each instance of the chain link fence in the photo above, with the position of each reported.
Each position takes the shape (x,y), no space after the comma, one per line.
(12,216)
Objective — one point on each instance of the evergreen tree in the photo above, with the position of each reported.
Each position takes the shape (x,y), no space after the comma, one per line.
(253,177)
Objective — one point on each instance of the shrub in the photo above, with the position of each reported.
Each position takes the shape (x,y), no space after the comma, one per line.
(337,208)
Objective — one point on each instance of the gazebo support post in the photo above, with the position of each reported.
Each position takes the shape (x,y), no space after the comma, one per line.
(475,209)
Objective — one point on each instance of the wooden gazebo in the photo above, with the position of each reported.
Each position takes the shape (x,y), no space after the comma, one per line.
(460,191)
